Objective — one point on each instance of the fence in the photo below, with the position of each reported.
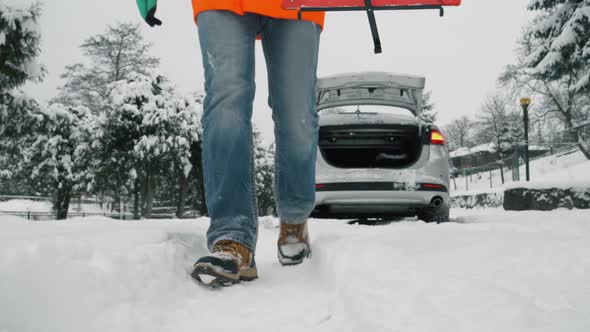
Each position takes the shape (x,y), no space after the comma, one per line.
(562,143)
(48,216)
(511,168)
(30,198)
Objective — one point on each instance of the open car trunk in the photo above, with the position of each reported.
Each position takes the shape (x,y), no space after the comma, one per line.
(374,146)
(366,139)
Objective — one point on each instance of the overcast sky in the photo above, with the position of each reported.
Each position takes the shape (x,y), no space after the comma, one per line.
(460,54)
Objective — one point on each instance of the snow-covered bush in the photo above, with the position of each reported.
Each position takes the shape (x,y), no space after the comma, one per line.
(147,130)
(55,157)
(264,165)
(522,199)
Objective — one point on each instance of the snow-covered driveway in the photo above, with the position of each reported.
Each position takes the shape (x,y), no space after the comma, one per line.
(488,271)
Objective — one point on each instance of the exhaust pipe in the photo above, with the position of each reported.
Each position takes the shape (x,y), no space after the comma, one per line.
(437,201)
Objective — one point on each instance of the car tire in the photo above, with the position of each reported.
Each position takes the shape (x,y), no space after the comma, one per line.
(437,215)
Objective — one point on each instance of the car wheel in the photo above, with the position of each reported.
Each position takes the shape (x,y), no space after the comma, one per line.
(437,215)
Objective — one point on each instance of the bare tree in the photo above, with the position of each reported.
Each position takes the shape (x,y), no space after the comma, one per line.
(111,56)
(494,124)
(457,133)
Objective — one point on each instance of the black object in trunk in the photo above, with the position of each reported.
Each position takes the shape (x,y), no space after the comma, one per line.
(375,146)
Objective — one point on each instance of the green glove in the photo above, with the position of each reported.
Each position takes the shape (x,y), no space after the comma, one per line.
(147,8)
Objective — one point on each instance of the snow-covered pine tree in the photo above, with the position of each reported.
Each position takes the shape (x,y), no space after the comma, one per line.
(555,94)
(19,48)
(19,43)
(111,56)
(562,47)
(16,131)
(428,113)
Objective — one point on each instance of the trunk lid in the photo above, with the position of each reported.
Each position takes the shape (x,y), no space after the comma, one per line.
(371,88)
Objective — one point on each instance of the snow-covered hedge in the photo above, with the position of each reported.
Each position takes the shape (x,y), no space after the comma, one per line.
(524,199)
(521,199)
(480,200)
(163,122)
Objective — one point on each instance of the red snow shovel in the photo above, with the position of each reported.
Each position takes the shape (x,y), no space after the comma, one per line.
(370,6)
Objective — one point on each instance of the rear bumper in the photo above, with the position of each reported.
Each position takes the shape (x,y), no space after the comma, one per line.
(380,186)
(374,203)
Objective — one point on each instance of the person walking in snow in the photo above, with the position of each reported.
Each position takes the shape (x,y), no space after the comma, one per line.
(228,30)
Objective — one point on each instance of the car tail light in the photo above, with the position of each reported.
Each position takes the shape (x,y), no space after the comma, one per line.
(436,137)
(320,185)
(432,186)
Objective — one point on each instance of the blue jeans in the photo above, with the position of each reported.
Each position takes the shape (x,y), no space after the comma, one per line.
(291,52)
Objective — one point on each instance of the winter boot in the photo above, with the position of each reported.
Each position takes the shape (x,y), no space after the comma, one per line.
(293,244)
(229,263)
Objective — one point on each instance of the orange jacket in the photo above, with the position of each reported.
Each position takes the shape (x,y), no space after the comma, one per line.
(270,8)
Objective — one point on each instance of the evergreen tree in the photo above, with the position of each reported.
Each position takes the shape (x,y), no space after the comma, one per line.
(19,44)
(19,48)
(19,115)
(428,113)
(562,41)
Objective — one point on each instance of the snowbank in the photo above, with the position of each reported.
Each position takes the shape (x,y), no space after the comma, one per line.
(489,271)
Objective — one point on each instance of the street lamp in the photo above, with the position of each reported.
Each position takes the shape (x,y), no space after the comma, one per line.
(525,103)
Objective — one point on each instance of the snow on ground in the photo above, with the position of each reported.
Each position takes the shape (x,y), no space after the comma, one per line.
(489,270)
(560,170)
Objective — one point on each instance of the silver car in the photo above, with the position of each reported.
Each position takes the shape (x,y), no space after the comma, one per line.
(377,157)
